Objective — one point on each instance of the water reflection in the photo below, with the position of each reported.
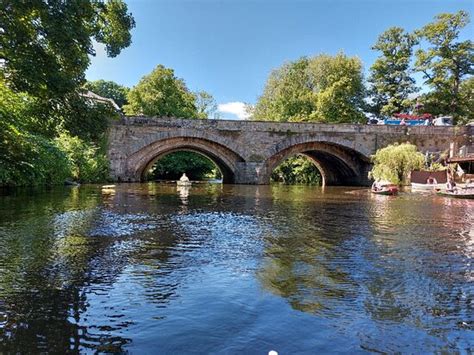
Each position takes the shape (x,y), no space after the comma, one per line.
(147,267)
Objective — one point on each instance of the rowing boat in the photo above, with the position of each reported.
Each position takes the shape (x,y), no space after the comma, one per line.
(457,194)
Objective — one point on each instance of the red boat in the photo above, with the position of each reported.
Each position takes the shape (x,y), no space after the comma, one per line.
(384,188)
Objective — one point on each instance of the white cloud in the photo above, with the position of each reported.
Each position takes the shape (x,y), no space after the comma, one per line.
(235,108)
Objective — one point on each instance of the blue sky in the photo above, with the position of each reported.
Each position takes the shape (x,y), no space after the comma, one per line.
(228,47)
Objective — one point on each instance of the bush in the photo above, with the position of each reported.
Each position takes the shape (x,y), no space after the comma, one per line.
(27,159)
(88,163)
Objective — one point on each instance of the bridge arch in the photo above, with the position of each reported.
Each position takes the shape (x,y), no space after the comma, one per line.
(142,160)
(337,163)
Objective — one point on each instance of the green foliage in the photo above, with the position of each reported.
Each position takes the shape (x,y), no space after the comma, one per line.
(25,158)
(31,159)
(466,101)
(297,170)
(206,105)
(45,45)
(84,118)
(109,89)
(394,162)
(87,162)
(161,93)
(390,74)
(322,89)
(173,165)
(445,63)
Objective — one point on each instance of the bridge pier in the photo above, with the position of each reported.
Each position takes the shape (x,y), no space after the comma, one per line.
(250,173)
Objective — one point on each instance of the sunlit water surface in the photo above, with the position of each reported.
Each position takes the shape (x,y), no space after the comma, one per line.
(150,268)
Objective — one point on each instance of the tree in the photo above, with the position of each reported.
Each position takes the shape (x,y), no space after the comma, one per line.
(206,106)
(45,45)
(109,89)
(390,74)
(466,94)
(446,62)
(322,89)
(172,166)
(394,162)
(297,170)
(161,93)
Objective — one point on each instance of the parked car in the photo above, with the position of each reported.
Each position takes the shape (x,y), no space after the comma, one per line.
(443,121)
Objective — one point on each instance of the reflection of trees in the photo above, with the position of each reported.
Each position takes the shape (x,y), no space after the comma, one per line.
(301,261)
(388,264)
(60,251)
(44,271)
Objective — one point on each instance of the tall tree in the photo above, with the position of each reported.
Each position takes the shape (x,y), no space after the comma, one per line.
(446,62)
(109,89)
(45,44)
(466,93)
(390,74)
(206,105)
(161,93)
(322,89)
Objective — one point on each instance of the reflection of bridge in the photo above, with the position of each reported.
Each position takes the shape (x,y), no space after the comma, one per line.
(246,152)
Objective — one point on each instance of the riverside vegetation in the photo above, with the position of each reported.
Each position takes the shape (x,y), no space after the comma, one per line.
(49,132)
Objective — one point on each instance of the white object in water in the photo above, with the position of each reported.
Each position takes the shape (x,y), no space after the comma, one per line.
(272,352)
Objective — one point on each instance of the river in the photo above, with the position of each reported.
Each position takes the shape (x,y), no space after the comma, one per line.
(222,269)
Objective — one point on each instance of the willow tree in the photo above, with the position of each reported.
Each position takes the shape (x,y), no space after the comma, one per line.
(323,88)
(395,162)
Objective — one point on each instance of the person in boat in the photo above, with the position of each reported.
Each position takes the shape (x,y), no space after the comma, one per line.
(431,181)
(376,186)
(403,122)
(451,186)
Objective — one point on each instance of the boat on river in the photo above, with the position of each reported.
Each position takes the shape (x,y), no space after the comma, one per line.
(183,181)
(460,193)
(428,180)
(390,191)
(384,188)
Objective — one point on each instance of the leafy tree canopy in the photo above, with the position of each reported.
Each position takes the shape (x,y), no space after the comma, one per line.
(446,62)
(109,89)
(161,93)
(390,74)
(323,89)
(297,170)
(196,167)
(395,162)
(206,105)
(45,44)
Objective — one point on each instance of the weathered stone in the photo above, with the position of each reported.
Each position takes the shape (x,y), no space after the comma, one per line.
(247,152)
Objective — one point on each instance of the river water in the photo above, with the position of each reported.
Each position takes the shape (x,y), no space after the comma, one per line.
(223,269)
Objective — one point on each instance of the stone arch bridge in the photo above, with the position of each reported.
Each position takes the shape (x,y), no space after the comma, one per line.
(246,152)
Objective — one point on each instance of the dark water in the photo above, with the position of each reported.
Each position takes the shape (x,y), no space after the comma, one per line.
(234,269)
